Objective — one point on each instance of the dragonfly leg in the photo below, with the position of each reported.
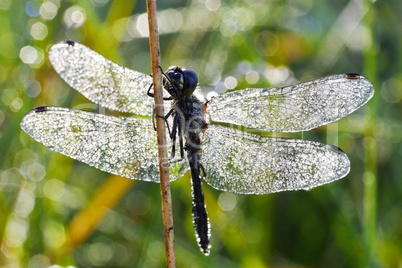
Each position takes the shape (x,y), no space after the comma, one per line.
(176,123)
(165,81)
(201,171)
(164,118)
(149,91)
(153,119)
(150,94)
(177,129)
(181,144)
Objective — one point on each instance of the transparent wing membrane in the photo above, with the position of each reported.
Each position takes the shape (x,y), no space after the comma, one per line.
(245,163)
(119,145)
(101,80)
(293,108)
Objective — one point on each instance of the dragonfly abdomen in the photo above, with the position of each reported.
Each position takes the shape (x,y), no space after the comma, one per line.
(192,110)
(201,222)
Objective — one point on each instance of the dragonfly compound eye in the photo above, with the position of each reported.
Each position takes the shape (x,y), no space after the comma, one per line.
(183,80)
(176,77)
(190,81)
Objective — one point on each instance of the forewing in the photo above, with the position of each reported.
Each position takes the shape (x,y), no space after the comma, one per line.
(119,145)
(293,108)
(245,163)
(101,80)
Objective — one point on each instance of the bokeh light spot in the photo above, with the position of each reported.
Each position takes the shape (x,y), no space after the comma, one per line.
(28,54)
(230,82)
(32,170)
(16,104)
(74,17)
(39,260)
(213,5)
(33,88)
(142,25)
(277,75)
(39,31)
(155,251)
(391,90)
(100,253)
(54,233)
(170,21)
(25,203)
(32,8)
(227,201)
(54,189)
(9,94)
(48,10)
(252,77)
(16,232)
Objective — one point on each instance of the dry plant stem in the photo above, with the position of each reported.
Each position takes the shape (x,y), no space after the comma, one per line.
(160,128)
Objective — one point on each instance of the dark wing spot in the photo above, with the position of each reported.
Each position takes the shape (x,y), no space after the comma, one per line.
(336,149)
(69,42)
(206,105)
(40,109)
(352,76)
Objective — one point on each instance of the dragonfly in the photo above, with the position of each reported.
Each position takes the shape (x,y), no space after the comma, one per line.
(210,134)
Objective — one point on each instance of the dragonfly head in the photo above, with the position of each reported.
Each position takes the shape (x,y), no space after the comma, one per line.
(180,81)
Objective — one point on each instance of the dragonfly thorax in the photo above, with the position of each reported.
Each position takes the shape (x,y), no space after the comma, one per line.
(180,81)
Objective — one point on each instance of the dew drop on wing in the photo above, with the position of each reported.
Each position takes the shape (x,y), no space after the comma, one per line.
(40,109)
(353,76)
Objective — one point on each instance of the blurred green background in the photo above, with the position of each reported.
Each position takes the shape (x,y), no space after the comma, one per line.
(49,204)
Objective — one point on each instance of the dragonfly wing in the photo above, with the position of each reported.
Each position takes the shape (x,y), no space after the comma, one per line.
(123,146)
(293,108)
(101,80)
(245,163)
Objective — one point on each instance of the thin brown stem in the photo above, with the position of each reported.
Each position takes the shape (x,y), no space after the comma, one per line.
(167,214)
